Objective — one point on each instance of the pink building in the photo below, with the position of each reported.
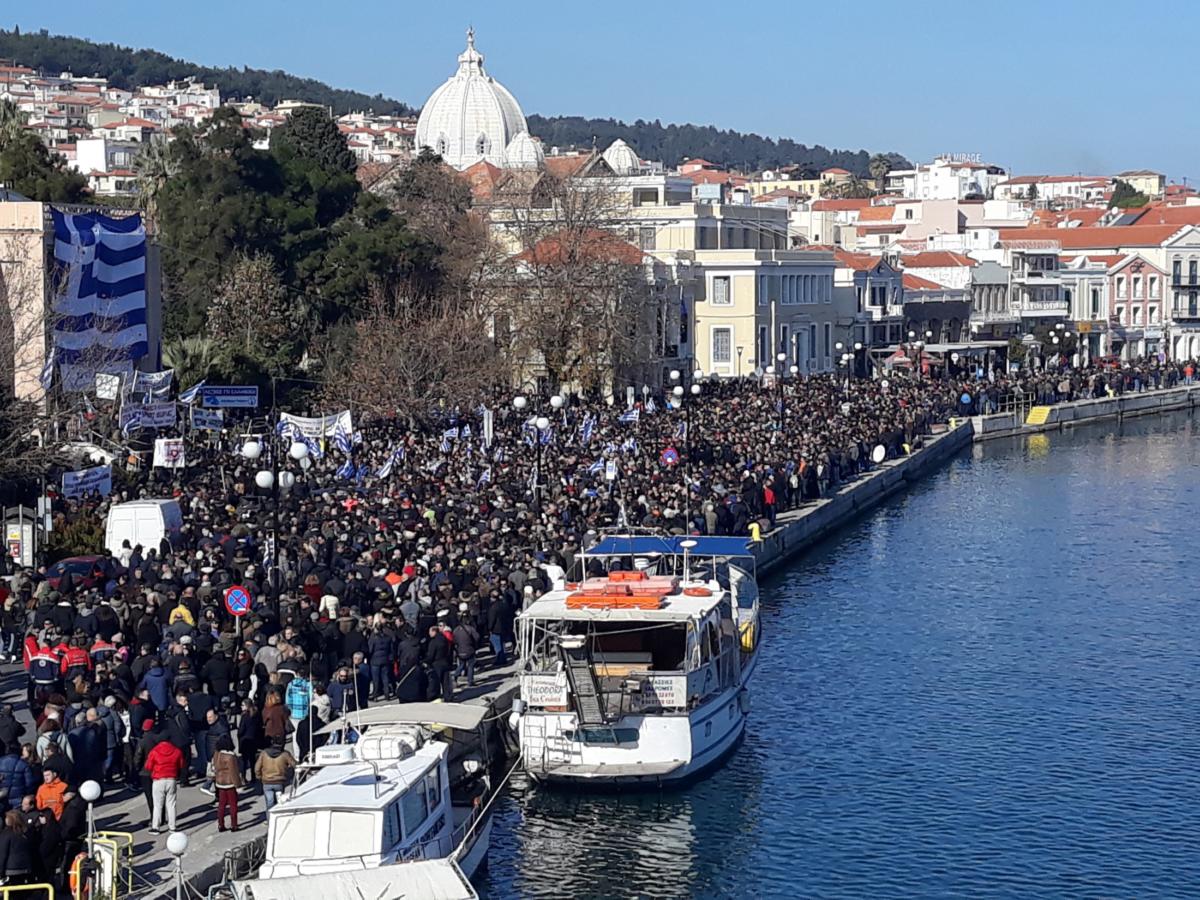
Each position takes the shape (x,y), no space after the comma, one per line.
(1137,297)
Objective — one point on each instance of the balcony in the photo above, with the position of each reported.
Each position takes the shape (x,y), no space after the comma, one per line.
(1186,313)
(1048,277)
(1044,309)
(1185,281)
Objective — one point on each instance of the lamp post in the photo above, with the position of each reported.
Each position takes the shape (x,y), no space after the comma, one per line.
(780,359)
(678,393)
(739,351)
(858,367)
(90,791)
(177,844)
(275,479)
(541,426)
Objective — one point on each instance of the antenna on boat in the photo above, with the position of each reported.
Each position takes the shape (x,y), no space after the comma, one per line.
(687,546)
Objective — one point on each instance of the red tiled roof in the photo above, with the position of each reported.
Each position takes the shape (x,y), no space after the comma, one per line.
(566,166)
(877,214)
(483,178)
(778,194)
(1170,215)
(936,259)
(859,262)
(593,244)
(1094,238)
(917,283)
(834,171)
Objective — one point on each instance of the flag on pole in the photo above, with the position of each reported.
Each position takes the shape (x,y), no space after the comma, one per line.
(596,468)
(485,477)
(681,431)
(445,445)
(347,470)
(189,396)
(630,417)
(47,377)
(651,406)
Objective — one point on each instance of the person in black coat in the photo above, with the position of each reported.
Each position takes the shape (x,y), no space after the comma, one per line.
(41,830)
(410,684)
(73,828)
(16,853)
(439,658)
(10,729)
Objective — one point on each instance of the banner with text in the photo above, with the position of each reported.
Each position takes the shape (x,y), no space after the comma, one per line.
(321,426)
(169,453)
(84,481)
(207,419)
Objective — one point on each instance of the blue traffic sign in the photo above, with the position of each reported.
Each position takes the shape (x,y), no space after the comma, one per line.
(237,600)
(670,456)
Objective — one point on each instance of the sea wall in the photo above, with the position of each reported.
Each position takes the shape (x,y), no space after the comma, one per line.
(1064,415)
(797,529)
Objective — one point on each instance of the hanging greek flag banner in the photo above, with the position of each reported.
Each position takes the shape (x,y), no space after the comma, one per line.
(630,416)
(47,377)
(99,307)
(588,429)
(347,470)
(489,427)
(485,477)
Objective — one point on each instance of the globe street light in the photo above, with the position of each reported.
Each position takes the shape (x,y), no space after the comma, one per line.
(298,450)
(557,401)
(252,450)
(177,844)
(90,792)
(519,402)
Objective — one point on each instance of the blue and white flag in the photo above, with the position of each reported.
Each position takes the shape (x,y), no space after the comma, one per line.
(450,434)
(651,406)
(588,429)
(498,456)
(527,435)
(546,435)
(485,477)
(99,306)
(445,445)
(341,440)
(189,396)
(313,445)
(361,475)
(397,455)
(465,432)
(630,446)
(47,377)
(596,468)
(347,470)
(630,416)
(681,431)
(357,438)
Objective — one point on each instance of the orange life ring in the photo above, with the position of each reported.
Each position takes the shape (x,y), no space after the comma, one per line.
(79,887)
(697,592)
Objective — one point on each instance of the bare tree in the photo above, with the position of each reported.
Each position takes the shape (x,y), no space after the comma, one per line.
(410,357)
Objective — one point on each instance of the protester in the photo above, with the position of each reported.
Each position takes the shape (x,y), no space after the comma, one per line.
(165,762)
(274,770)
(227,778)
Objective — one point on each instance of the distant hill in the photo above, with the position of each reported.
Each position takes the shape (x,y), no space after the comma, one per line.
(129,68)
(674,143)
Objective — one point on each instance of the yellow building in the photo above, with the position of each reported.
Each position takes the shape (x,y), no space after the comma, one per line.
(1152,184)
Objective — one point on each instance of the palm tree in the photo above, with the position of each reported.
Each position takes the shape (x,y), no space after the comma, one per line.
(192,358)
(878,167)
(155,165)
(12,121)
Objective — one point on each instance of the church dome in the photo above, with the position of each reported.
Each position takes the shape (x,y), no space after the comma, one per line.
(621,158)
(471,116)
(523,152)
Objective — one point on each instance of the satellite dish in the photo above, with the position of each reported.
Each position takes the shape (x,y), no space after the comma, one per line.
(879,454)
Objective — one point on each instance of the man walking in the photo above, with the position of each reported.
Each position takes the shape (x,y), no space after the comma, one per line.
(164,763)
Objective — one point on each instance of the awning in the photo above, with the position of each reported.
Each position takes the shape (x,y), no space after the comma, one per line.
(644,545)
(452,715)
(433,879)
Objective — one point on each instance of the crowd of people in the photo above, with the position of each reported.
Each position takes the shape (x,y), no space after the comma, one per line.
(394,565)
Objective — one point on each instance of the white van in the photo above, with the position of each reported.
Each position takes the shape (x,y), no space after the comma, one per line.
(142,522)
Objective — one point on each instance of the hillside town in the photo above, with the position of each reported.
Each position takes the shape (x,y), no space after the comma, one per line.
(951,252)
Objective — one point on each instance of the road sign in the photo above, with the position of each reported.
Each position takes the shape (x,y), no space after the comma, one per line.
(220,396)
(237,600)
(669,456)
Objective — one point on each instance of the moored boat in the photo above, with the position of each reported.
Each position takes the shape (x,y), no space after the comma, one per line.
(638,673)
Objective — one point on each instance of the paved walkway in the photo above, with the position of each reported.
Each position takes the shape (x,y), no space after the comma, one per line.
(123,810)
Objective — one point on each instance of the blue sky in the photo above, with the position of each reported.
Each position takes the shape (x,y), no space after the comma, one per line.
(1038,87)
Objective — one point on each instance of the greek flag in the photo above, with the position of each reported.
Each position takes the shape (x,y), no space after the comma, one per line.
(357,438)
(498,456)
(450,434)
(189,396)
(397,455)
(681,432)
(347,470)
(100,305)
(596,468)
(342,440)
(588,429)
(630,446)
(651,406)
(47,377)
(465,432)
(527,433)
(361,475)
(630,416)
(485,477)
(313,445)
(445,445)
(546,436)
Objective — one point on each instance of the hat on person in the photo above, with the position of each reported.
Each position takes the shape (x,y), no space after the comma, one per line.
(443,613)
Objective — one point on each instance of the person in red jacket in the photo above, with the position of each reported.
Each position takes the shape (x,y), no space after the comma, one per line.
(164,763)
(75,660)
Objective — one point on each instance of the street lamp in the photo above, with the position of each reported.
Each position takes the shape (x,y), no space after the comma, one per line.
(858,367)
(740,349)
(541,426)
(781,358)
(90,792)
(274,479)
(177,844)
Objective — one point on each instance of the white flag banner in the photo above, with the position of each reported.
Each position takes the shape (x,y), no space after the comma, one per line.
(320,426)
(208,419)
(155,383)
(169,453)
(85,481)
(108,386)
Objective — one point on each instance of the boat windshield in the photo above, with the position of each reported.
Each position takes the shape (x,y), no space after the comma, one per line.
(295,836)
(351,833)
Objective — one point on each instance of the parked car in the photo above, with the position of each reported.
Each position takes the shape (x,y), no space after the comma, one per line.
(86,572)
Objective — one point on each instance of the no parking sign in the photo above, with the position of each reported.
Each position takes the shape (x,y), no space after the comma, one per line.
(237,600)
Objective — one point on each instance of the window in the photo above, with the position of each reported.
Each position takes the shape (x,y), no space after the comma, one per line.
(350,833)
(764,348)
(414,810)
(1120,285)
(295,836)
(1137,285)
(720,294)
(392,833)
(1177,271)
(1121,314)
(1095,303)
(1067,295)
(482,144)
(1153,285)
(1191,303)
(784,335)
(828,340)
(763,296)
(812,342)
(908,213)
(1191,271)
(722,346)
(647,238)
(1137,315)
(1152,317)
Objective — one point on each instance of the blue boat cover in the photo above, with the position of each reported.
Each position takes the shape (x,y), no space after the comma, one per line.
(642,545)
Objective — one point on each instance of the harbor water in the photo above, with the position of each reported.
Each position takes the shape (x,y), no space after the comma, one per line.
(988,687)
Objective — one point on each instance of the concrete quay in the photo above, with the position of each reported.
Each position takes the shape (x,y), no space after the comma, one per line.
(798,529)
(1065,415)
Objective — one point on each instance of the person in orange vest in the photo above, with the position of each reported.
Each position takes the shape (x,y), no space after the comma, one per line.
(50,794)
(1188,371)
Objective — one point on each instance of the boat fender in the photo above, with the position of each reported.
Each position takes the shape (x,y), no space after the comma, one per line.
(744,701)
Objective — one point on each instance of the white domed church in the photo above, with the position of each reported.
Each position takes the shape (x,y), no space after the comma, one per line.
(473,117)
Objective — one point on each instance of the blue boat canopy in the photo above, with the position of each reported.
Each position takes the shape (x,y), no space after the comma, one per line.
(643,545)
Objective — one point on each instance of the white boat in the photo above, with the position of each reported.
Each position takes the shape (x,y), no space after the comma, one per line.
(388,798)
(435,879)
(638,674)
